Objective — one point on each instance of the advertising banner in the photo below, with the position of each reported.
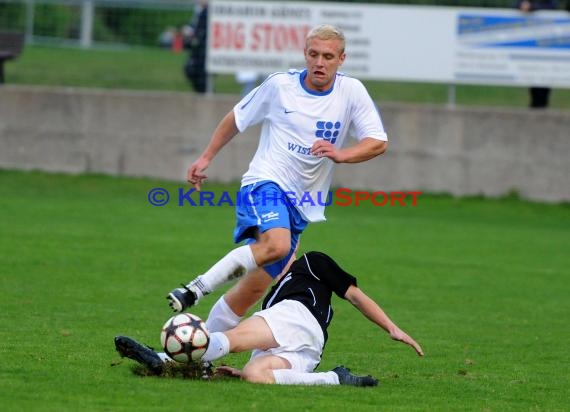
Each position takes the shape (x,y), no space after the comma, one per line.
(405,43)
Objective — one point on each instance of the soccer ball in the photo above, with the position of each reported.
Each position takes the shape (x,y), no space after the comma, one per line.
(185,338)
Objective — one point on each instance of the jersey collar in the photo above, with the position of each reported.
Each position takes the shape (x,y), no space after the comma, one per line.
(313,92)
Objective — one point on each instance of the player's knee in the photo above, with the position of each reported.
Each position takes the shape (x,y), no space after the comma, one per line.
(272,246)
(275,251)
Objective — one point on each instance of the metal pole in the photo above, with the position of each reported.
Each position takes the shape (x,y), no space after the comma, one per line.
(86,39)
(451,96)
(210,84)
(30,8)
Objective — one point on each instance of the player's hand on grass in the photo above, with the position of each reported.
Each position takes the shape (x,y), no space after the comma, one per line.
(228,371)
(195,174)
(401,336)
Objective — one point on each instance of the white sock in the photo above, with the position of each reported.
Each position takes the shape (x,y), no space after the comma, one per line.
(164,357)
(219,346)
(221,317)
(291,377)
(232,266)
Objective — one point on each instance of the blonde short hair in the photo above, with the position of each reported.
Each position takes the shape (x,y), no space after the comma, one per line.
(327,32)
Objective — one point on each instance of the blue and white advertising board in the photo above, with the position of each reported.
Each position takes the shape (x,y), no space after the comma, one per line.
(405,43)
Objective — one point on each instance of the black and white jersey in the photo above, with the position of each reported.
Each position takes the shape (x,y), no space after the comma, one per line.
(311,280)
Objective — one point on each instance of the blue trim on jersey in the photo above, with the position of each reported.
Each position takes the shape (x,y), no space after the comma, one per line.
(302,78)
(261,85)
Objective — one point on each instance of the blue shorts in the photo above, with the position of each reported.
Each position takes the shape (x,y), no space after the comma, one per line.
(263,205)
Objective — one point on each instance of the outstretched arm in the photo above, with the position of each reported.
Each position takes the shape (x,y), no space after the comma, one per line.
(372,311)
(223,133)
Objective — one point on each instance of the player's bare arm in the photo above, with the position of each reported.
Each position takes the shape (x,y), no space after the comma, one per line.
(372,311)
(223,133)
(364,150)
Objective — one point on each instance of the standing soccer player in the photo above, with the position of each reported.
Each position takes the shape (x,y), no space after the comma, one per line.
(306,116)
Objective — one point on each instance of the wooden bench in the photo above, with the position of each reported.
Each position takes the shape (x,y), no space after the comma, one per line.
(11,45)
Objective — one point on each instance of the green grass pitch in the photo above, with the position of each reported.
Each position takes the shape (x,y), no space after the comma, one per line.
(121,69)
(483,285)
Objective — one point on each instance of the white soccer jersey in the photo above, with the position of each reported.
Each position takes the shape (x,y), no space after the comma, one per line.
(294,117)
